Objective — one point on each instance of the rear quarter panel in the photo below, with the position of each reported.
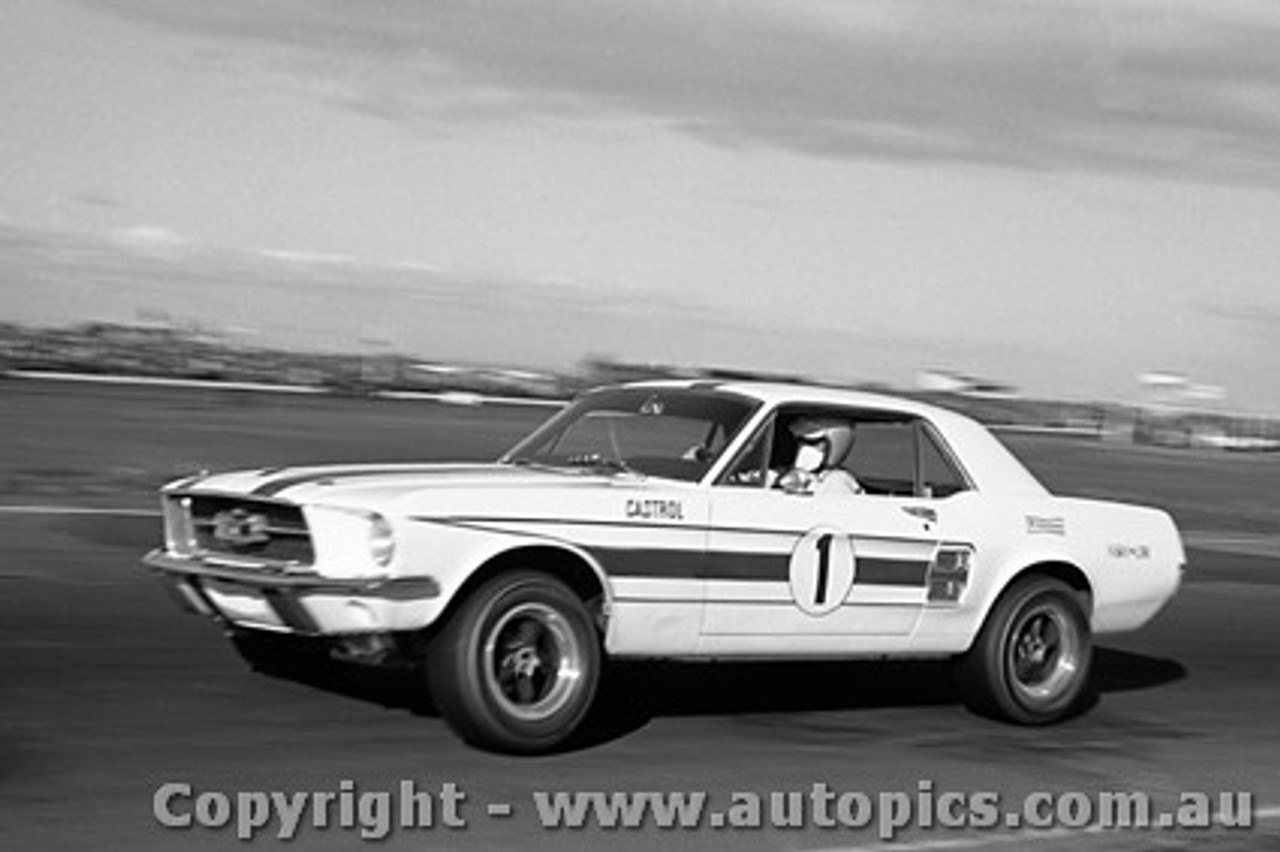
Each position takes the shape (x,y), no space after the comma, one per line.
(1130,556)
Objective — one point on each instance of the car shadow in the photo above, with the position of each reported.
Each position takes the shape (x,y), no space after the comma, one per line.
(634,693)
(398,686)
(1125,671)
(637,693)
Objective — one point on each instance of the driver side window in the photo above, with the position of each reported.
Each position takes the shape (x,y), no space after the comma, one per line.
(772,452)
(892,454)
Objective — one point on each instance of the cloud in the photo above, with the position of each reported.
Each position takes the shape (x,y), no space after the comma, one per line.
(1179,87)
(1260,318)
(152,239)
(162,268)
(148,235)
(94,198)
(308,258)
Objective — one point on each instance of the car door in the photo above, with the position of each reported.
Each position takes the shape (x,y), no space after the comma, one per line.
(817,572)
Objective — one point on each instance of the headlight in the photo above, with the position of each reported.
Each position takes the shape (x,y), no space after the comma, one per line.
(179,537)
(350,542)
(381,541)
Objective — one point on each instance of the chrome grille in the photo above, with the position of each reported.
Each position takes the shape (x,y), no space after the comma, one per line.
(241,528)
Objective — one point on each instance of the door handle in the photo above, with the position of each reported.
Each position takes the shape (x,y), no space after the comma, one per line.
(924,513)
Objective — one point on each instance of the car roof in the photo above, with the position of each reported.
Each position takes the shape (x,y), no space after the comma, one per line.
(776,393)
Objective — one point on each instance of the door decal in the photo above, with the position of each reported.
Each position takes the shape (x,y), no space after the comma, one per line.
(822,570)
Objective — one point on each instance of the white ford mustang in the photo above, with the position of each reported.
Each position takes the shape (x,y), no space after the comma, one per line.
(692,520)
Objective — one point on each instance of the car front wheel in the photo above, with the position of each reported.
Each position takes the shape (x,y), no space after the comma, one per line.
(516,667)
(1030,664)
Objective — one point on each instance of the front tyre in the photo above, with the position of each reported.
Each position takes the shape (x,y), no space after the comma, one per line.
(1030,664)
(516,667)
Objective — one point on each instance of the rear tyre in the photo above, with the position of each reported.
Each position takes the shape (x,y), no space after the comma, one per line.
(1031,662)
(516,668)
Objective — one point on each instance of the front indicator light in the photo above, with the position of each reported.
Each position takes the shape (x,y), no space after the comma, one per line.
(382,542)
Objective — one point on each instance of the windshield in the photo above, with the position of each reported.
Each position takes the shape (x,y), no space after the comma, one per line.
(676,433)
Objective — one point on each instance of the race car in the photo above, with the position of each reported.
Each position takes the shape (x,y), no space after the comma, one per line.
(683,520)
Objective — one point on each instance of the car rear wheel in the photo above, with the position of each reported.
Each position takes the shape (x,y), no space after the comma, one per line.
(1030,664)
(516,667)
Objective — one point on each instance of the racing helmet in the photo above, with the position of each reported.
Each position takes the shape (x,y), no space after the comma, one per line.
(833,437)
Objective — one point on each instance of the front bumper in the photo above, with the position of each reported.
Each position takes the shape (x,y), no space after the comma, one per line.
(295,601)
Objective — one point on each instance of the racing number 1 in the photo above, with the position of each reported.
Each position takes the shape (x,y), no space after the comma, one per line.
(824,569)
(821,571)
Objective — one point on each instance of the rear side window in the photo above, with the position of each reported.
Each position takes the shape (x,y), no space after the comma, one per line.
(884,457)
(902,458)
(939,475)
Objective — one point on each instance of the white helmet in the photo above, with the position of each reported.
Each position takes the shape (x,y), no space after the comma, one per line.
(834,437)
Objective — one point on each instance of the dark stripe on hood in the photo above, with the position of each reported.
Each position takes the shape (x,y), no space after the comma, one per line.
(331,475)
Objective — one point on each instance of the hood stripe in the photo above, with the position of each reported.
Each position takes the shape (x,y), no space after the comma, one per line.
(330,475)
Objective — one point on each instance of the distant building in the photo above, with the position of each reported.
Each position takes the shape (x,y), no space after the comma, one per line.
(1173,411)
(1172,392)
(446,376)
(947,381)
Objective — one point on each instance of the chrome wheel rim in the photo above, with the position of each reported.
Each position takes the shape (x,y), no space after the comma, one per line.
(532,661)
(1044,655)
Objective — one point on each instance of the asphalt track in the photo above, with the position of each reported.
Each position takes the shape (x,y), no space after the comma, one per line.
(108,692)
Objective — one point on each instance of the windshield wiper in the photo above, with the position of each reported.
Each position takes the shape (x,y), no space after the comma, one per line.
(536,465)
(595,461)
(600,462)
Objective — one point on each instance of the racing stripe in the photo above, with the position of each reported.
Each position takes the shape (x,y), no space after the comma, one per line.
(329,475)
(533,525)
(871,571)
(672,563)
(184,484)
(630,562)
(727,565)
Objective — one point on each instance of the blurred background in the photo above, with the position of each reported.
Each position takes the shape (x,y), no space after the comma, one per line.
(1163,409)
(1054,201)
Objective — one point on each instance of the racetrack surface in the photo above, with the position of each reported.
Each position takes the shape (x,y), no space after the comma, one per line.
(107,691)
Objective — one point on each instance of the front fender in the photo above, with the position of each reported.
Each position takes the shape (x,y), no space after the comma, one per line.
(452,552)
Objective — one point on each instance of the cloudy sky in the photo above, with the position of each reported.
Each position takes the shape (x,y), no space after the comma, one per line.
(1057,194)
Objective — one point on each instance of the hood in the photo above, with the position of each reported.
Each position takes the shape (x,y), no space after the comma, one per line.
(378,485)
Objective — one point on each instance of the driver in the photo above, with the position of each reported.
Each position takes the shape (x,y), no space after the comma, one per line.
(822,445)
